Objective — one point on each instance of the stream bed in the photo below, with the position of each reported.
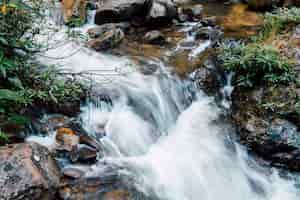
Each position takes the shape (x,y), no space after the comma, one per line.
(161,133)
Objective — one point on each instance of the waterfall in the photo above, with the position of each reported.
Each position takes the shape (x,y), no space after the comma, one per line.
(166,134)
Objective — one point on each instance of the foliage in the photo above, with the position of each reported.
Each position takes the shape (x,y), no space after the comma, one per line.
(256,64)
(23,82)
(277,20)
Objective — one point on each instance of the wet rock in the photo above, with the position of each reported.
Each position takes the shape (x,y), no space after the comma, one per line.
(206,78)
(66,139)
(162,11)
(27,171)
(121,10)
(154,37)
(83,153)
(209,21)
(100,30)
(91,187)
(193,13)
(267,121)
(72,172)
(117,195)
(206,33)
(108,40)
(73,9)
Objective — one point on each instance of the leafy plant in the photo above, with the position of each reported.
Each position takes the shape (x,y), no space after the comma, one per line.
(277,20)
(22,81)
(255,64)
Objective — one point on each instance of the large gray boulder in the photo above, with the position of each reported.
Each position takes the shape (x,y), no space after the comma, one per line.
(27,172)
(162,11)
(141,12)
(122,10)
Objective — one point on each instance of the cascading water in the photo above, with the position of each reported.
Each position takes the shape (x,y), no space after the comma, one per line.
(166,134)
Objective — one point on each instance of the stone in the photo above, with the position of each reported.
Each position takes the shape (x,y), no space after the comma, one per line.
(162,11)
(108,40)
(66,139)
(98,31)
(84,153)
(114,11)
(27,171)
(194,12)
(73,172)
(206,33)
(73,8)
(154,37)
(117,195)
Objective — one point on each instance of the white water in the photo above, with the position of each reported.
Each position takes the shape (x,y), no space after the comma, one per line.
(171,148)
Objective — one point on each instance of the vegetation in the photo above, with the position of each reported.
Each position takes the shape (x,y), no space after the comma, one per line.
(278,20)
(24,82)
(256,62)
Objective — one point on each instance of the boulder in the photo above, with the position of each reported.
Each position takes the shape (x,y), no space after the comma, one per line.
(162,11)
(193,13)
(154,37)
(27,171)
(108,40)
(121,10)
(267,121)
(72,9)
(66,139)
(83,153)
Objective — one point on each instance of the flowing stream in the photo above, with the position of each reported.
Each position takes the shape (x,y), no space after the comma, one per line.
(165,134)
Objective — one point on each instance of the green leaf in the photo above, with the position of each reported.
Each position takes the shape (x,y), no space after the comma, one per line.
(4,41)
(18,119)
(16,82)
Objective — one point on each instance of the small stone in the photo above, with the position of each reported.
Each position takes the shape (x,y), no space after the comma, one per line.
(83,152)
(108,40)
(72,172)
(154,37)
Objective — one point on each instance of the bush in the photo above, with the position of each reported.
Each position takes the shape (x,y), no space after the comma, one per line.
(22,81)
(256,64)
(279,19)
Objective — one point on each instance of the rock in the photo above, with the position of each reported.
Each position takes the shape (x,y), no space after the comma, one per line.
(83,153)
(154,37)
(267,122)
(162,11)
(73,9)
(209,21)
(194,12)
(100,30)
(67,139)
(206,33)
(73,172)
(117,195)
(262,4)
(27,171)
(108,40)
(206,78)
(114,11)
(90,187)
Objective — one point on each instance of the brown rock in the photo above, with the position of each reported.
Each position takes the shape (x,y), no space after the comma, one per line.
(67,139)
(117,195)
(27,171)
(73,8)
